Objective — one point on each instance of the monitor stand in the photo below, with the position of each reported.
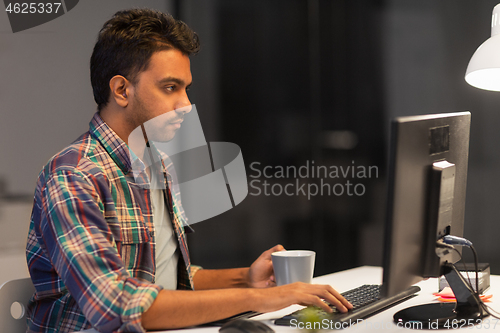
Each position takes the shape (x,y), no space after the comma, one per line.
(467,311)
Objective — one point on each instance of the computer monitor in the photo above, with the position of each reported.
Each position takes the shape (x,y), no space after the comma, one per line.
(426,199)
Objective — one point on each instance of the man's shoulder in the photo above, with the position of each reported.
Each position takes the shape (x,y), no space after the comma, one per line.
(77,157)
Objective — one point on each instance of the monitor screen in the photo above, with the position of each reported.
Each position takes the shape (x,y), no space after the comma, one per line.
(426,201)
(426,195)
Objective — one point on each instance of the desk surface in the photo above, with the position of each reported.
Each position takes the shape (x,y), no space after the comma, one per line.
(352,278)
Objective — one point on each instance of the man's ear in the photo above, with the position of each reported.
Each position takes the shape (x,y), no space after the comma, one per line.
(120,88)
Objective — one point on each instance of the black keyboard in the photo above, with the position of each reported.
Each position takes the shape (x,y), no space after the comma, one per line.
(366,302)
(362,296)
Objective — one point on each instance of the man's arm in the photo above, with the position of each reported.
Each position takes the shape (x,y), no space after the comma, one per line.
(178,308)
(205,279)
(259,275)
(175,309)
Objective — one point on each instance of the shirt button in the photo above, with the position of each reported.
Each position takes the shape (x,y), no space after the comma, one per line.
(151,234)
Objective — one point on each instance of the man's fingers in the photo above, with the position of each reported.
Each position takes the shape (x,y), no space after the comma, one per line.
(279,247)
(319,303)
(316,301)
(331,296)
(339,297)
(334,298)
(338,304)
(305,294)
(271,283)
(275,248)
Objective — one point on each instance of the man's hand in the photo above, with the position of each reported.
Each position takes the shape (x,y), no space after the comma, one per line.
(261,273)
(276,298)
(180,308)
(183,308)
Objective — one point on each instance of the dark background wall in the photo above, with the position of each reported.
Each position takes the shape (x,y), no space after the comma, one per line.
(291,82)
(294,78)
(319,81)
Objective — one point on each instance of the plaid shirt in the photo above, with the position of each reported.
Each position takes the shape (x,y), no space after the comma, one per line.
(91,243)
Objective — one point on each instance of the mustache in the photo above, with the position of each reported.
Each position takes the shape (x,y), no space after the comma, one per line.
(177,121)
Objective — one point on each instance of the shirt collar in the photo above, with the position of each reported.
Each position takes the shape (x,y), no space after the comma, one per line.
(120,152)
(116,147)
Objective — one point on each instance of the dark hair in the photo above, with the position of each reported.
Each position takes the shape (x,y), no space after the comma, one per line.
(128,40)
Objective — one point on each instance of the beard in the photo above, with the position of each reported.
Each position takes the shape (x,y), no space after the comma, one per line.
(156,128)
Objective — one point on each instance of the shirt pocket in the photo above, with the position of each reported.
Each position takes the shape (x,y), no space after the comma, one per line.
(131,214)
(135,248)
(133,230)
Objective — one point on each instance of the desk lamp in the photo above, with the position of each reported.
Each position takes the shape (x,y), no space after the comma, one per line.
(483,71)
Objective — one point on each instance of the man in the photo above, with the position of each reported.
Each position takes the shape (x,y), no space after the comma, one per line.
(94,252)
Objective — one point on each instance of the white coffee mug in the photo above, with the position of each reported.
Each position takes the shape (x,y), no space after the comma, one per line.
(293,266)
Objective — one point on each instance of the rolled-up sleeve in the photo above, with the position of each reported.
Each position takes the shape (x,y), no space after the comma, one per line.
(82,247)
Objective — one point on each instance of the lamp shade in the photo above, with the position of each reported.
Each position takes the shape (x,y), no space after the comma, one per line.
(483,70)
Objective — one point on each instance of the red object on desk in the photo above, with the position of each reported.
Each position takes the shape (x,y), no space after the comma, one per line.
(446,295)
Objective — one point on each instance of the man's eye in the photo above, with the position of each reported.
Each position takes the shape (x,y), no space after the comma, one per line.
(170,88)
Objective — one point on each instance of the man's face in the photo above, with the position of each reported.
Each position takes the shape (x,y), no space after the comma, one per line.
(160,99)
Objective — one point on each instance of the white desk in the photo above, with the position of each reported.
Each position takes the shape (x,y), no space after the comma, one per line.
(349,279)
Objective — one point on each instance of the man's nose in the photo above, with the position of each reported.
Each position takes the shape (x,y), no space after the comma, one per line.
(184,109)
